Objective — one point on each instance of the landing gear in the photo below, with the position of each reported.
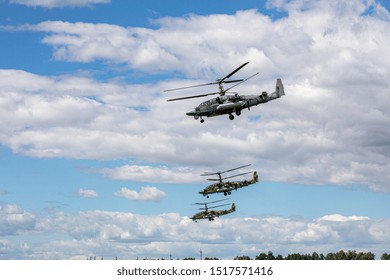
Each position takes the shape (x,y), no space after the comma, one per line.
(199,117)
(231,117)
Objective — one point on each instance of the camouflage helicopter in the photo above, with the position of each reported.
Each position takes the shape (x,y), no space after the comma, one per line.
(211,214)
(227,187)
(228,104)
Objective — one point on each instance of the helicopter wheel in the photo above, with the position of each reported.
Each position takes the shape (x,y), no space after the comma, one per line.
(229,193)
(201,120)
(225,194)
(238,113)
(231,117)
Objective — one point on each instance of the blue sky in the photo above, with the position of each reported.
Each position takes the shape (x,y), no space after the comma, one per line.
(91,151)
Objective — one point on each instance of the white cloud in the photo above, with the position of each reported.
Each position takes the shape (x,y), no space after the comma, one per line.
(87,193)
(144,173)
(331,127)
(128,236)
(341,218)
(14,220)
(145,194)
(58,3)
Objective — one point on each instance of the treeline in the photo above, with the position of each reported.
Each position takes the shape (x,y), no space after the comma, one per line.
(340,255)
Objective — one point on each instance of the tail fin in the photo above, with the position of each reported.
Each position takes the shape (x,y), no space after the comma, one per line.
(255,177)
(279,88)
(233,207)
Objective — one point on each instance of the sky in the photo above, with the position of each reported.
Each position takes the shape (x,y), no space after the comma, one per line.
(95,162)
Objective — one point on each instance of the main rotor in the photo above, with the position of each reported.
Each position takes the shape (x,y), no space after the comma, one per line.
(218,173)
(206,208)
(218,82)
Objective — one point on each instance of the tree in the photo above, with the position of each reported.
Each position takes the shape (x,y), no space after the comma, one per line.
(316,256)
(261,256)
(350,255)
(341,255)
(264,256)
(330,256)
(385,256)
(270,256)
(279,257)
(242,258)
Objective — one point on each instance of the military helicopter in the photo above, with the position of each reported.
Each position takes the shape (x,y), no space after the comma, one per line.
(228,104)
(211,214)
(227,187)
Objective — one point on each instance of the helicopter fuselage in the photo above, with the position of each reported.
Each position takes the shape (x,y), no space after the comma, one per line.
(233,103)
(227,187)
(211,214)
(227,104)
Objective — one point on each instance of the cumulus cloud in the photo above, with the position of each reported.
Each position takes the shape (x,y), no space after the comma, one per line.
(145,194)
(341,218)
(14,220)
(87,193)
(58,3)
(331,127)
(144,173)
(128,236)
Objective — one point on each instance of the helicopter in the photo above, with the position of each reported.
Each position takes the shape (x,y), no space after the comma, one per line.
(227,104)
(227,187)
(211,214)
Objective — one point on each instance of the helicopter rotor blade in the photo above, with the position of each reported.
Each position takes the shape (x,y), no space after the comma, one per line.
(232,81)
(192,96)
(207,84)
(243,81)
(215,201)
(218,206)
(220,172)
(201,85)
(237,175)
(210,173)
(236,168)
(215,179)
(232,73)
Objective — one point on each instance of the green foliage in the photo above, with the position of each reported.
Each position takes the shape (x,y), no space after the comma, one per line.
(385,256)
(340,255)
(350,255)
(242,258)
(268,256)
